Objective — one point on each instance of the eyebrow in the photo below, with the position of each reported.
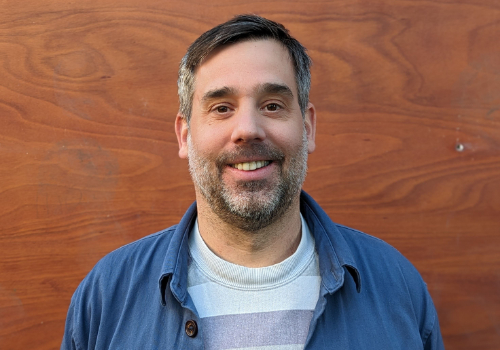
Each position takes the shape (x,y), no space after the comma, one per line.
(267,88)
(274,88)
(218,93)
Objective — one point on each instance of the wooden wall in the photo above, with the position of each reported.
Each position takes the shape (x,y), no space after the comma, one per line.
(408,98)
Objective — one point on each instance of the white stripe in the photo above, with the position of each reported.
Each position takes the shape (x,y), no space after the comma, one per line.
(273,347)
(300,294)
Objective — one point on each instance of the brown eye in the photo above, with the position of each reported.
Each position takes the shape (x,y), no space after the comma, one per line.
(272,107)
(222,109)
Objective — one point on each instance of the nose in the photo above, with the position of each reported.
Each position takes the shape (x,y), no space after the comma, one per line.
(247,126)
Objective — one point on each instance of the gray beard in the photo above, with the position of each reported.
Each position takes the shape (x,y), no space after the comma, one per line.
(250,205)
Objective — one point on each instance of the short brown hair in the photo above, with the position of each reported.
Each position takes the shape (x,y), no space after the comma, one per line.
(240,28)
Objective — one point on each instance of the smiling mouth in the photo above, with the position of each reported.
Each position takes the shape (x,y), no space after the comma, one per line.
(249,166)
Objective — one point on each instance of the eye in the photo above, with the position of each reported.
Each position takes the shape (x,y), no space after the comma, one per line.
(272,107)
(222,109)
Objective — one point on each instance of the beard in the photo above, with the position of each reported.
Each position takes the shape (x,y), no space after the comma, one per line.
(249,205)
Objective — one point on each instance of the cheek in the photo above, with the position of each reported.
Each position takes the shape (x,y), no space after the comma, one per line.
(289,138)
(207,144)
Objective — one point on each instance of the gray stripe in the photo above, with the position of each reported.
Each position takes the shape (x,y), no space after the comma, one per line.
(275,347)
(256,329)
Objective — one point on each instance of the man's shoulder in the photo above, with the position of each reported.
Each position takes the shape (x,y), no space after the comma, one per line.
(391,288)
(126,277)
(366,243)
(145,250)
(135,262)
(354,247)
(383,267)
(145,245)
(374,253)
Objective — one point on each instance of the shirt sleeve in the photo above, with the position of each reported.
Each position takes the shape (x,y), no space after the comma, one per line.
(82,320)
(68,342)
(434,340)
(423,307)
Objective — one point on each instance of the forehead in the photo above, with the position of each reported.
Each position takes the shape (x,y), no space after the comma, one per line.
(244,66)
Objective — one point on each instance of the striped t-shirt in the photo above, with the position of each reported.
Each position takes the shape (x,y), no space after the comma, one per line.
(254,308)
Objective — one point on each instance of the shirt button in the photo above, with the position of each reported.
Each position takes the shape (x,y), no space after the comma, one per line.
(191,328)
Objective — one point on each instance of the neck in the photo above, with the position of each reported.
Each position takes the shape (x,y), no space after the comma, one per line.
(267,246)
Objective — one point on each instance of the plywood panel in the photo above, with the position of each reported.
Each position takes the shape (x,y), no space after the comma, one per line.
(408,98)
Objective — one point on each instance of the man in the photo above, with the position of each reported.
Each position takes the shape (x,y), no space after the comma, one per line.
(255,263)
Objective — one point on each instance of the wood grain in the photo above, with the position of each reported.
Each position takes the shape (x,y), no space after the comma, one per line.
(408,99)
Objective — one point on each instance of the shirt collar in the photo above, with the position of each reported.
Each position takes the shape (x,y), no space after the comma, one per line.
(335,256)
(175,266)
(334,253)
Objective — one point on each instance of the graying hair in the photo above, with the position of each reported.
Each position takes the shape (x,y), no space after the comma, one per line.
(240,28)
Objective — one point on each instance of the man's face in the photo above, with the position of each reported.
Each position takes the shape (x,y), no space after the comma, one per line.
(247,142)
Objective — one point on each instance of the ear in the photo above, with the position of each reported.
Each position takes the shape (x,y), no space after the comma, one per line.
(310,124)
(181,130)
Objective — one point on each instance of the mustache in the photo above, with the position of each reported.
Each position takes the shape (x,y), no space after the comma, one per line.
(261,150)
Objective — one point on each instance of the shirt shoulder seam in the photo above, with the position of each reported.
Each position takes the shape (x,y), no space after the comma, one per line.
(146,238)
(361,233)
(431,328)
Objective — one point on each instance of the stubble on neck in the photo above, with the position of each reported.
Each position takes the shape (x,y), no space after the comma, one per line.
(264,247)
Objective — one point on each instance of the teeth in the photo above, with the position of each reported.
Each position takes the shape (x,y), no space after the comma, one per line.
(251,165)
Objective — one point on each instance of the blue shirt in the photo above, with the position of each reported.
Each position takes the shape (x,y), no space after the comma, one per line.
(371,297)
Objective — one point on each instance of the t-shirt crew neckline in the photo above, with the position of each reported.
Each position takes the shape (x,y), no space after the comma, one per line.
(246,278)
